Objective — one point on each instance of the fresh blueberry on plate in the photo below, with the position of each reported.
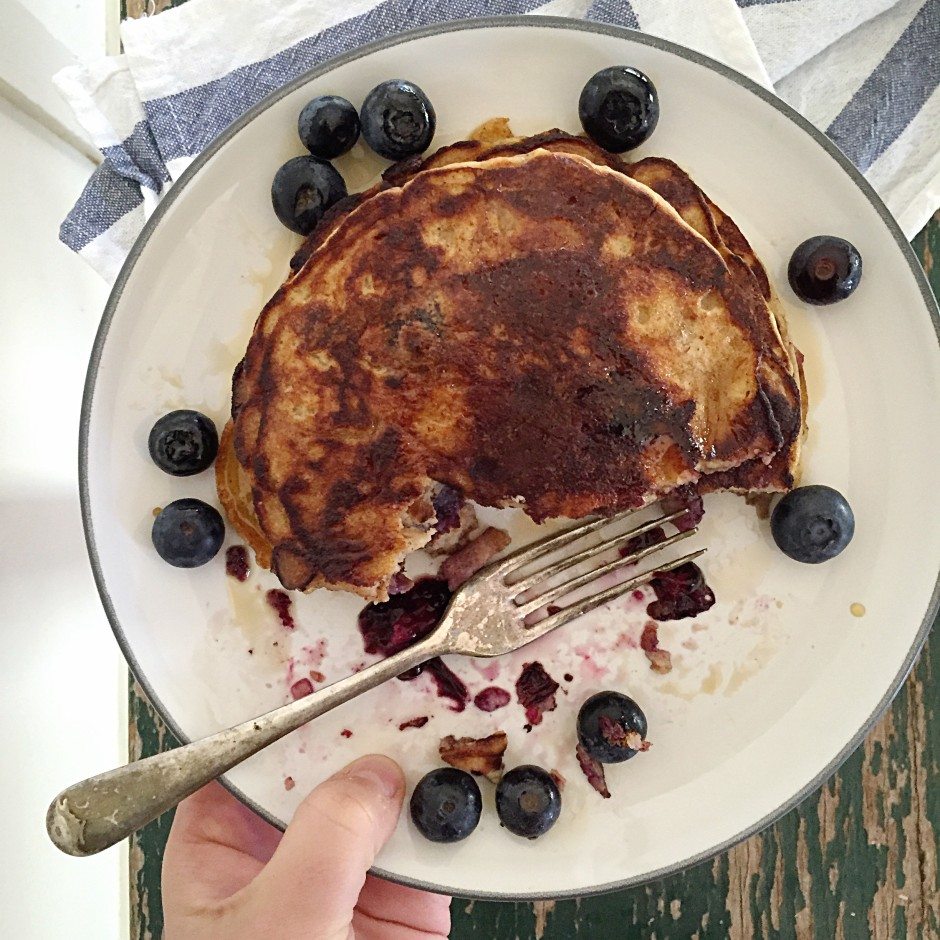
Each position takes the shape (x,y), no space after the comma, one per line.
(812,524)
(188,533)
(608,723)
(528,801)
(398,119)
(328,126)
(619,108)
(824,269)
(183,442)
(446,805)
(303,189)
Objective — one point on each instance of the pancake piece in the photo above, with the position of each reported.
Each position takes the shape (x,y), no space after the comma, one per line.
(532,330)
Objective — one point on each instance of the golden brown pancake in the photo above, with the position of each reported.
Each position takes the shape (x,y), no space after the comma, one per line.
(495,138)
(533,330)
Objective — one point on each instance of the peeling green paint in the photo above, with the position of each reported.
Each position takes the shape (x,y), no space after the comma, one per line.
(148,735)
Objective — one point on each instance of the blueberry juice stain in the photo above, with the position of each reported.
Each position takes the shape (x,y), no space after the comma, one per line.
(391,626)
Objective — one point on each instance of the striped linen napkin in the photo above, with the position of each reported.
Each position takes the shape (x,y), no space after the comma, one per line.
(864,71)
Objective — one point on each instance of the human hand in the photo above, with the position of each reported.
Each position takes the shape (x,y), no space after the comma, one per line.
(228,873)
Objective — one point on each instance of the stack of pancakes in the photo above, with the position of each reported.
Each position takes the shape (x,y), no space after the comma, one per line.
(531,322)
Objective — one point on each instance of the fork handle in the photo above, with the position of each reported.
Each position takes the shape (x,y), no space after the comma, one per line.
(102,810)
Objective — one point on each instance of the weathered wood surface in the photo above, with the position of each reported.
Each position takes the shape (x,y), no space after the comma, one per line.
(857,860)
(137,8)
(147,735)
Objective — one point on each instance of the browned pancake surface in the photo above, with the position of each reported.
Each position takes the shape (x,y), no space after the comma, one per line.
(533,328)
(781,362)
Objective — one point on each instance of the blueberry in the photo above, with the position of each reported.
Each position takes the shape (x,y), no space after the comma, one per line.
(328,126)
(603,722)
(528,801)
(183,443)
(446,805)
(619,108)
(303,189)
(824,269)
(398,119)
(812,524)
(188,533)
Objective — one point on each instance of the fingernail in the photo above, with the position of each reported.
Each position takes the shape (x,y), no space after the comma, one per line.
(379,772)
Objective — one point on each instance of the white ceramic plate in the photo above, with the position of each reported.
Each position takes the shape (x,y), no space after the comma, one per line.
(771,689)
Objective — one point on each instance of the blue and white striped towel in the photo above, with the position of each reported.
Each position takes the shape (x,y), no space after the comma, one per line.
(865,71)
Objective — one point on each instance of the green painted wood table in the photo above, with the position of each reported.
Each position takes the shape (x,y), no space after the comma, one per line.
(858,859)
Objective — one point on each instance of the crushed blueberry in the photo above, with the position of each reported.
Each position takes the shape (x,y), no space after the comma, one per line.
(418,722)
(346,733)
(447,503)
(684,498)
(593,769)
(491,698)
(680,593)
(280,602)
(390,626)
(236,563)
(448,683)
(400,583)
(536,690)
(454,521)
(644,540)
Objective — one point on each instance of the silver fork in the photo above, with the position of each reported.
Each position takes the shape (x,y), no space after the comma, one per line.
(488,616)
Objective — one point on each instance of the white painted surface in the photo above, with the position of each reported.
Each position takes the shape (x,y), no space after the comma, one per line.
(77,24)
(63,694)
(30,54)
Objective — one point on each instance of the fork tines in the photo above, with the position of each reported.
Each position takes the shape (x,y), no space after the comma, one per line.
(527,603)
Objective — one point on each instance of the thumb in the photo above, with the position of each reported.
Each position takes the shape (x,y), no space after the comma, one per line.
(320,866)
